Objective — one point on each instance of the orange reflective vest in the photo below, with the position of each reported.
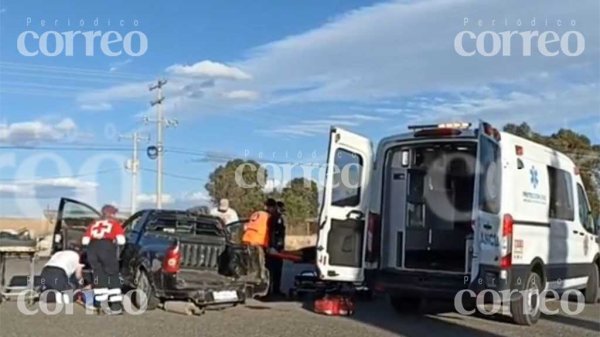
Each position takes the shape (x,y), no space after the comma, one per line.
(257,230)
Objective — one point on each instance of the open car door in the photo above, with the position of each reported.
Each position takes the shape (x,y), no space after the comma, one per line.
(343,218)
(486,204)
(72,219)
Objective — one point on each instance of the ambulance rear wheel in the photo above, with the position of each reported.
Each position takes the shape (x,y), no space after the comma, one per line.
(591,290)
(525,305)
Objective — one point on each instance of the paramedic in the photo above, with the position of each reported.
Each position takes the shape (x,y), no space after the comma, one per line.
(63,272)
(224,212)
(102,238)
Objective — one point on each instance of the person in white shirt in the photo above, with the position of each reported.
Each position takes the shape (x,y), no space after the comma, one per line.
(224,212)
(62,272)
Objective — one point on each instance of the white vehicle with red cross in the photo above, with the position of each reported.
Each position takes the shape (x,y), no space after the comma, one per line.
(448,207)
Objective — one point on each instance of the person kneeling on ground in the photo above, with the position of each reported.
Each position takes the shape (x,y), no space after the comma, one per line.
(62,273)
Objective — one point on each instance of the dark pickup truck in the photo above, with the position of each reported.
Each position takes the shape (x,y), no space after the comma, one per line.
(175,255)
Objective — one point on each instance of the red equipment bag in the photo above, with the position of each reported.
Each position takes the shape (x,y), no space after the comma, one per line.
(334,305)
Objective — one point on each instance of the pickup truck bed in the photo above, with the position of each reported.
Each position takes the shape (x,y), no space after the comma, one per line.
(212,266)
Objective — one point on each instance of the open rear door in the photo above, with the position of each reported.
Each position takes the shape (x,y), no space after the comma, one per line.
(486,204)
(343,218)
(72,219)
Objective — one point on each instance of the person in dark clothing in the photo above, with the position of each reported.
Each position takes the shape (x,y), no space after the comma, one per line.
(102,238)
(276,244)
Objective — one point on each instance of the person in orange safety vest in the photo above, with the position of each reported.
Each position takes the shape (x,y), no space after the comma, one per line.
(257,231)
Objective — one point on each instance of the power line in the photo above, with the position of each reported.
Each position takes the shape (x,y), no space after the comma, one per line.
(175,175)
(212,156)
(45,86)
(63,177)
(62,148)
(72,71)
(52,76)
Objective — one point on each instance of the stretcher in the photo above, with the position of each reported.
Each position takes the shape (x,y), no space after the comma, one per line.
(17,246)
(305,255)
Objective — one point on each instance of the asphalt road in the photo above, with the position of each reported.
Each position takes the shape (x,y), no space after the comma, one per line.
(258,319)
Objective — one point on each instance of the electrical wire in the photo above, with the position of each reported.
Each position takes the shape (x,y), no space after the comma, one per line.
(174,175)
(64,148)
(62,177)
(210,156)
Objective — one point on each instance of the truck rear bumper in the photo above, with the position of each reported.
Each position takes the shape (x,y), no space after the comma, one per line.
(420,284)
(202,291)
(206,297)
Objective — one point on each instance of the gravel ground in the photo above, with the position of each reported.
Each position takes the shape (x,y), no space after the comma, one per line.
(259,319)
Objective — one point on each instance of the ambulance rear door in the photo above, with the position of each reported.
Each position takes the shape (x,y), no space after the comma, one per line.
(344,212)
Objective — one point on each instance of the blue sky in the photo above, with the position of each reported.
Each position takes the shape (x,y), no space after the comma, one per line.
(267,77)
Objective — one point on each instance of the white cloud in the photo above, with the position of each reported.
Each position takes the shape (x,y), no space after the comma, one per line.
(359,117)
(408,54)
(409,51)
(12,189)
(248,95)
(46,188)
(66,125)
(196,197)
(118,65)
(151,199)
(208,69)
(65,182)
(121,92)
(544,110)
(103,106)
(307,128)
(25,133)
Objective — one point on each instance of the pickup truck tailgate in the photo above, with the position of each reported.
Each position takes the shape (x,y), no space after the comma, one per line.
(200,255)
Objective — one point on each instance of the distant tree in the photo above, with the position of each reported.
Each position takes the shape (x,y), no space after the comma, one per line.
(275,194)
(301,200)
(578,147)
(241,182)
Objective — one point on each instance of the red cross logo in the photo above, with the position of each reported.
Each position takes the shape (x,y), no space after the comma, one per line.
(100,229)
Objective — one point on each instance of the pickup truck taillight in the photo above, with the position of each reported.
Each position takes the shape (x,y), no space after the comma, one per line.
(373,237)
(172,260)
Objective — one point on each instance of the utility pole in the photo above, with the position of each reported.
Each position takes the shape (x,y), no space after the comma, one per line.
(161,122)
(134,166)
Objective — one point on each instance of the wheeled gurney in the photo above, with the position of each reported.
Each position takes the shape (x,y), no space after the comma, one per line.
(12,245)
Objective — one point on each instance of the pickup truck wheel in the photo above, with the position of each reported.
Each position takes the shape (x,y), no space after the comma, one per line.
(525,305)
(591,290)
(150,301)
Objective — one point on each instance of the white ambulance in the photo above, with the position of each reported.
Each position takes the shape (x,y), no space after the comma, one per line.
(447,207)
